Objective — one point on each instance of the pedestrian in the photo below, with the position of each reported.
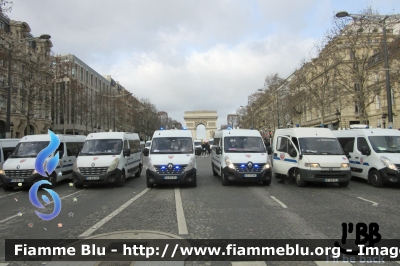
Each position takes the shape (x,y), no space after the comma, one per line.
(203,149)
(208,147)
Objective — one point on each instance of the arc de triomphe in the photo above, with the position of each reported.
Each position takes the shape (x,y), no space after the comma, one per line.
(201,117)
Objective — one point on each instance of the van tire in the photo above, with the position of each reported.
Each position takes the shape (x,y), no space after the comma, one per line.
(214,172)
(149,185)
(224,181)
(194,183)
(78,185)
(344,184)
(7,188)
(53,180)
(137,174)
(375,178)
(299,180)
(121,181)
(267,182)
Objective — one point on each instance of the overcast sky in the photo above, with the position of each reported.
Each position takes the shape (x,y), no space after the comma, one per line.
(187,55)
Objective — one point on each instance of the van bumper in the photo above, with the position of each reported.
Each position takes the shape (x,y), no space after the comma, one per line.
(234,176)
(390,176)
(110,177)
(188,177)
(27,181)
(317,176)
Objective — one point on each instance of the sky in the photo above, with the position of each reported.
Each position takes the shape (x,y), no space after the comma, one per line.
(188,55)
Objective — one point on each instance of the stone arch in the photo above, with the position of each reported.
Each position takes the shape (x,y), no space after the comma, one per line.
(204,117)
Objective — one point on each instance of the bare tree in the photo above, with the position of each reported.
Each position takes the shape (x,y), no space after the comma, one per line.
(353,42)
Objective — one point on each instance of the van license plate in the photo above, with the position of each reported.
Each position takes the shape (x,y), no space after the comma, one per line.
(92,178)
(17,180)
(171,177)
(331,180)
(250,175)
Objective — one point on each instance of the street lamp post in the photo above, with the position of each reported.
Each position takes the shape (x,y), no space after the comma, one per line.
(338,117)
(380,21)
(9,85)
(384,120)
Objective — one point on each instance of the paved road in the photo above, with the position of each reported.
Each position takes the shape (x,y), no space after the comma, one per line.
(209,211)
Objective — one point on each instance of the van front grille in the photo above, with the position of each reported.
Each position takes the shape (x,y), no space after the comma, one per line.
(19,173)
(242,168)
(88,171)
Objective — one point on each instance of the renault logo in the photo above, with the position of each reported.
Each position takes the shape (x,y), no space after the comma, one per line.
(170,166)
(249,165)
(93,164)
(330,168)
(17,166)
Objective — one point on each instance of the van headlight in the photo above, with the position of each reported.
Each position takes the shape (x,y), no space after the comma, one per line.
(75,167)
(113,165)
(344,165)
(2,172)
(388,163)
(266,166)
(312,165)
(150,165)
(229,163)
(33,172)
(190,165)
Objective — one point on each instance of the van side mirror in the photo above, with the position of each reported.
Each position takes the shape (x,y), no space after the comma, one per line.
(346,152)
(197,151)
(146,152)
(76,153)
(365,151)
(292,152)
(269,150)
(127,152)
(60,154)
(8,154)
(218,150)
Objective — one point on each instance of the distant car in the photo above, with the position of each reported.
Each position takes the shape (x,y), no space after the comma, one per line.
(197,144)
(147,145)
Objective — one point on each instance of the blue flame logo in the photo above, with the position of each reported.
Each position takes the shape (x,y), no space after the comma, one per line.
(50,167)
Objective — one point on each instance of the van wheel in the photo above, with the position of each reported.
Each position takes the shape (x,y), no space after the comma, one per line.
(194,183)
(267,182)
(137,174)
(53,180)
(375,178)
(78,185)
(299,180)
(121,181)
(7,188)
(344,184)
(224,180)
(150,185)
(214,172)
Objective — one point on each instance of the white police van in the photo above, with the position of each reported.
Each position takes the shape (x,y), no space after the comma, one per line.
(108,157)
(171,158)
(239,155)
(7,146)
(310,155)
(19,169)
(374,153)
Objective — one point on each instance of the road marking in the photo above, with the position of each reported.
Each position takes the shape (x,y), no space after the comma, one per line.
(374,203)
(248,263)
(111,215)
(280,202)
(9,195)
(2,221)
(180,215)
(330,263)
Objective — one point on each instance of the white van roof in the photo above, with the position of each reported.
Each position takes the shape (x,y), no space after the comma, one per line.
(113,135)
(46,137)
(366,132)
(172,133)
(9,143)
(237,132)
(305,132)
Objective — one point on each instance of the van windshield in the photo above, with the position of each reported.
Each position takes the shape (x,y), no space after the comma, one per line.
(244,144)
(101,147)
(180,145)
(388,144)
(29,149)
(320,146)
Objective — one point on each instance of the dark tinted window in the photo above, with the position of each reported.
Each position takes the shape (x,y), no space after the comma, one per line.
(347,144)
